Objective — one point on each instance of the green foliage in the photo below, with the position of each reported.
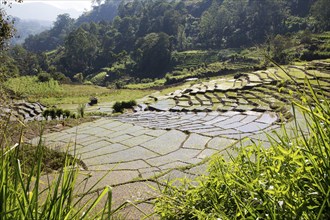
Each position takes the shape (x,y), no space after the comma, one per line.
(67,113)
(51,39)
(51,160)
(80,51)
(57,113)
(139,41)
(44,77)
(139,36)
(105,12)
(81,110)
(120,106)
(25,194)
(99,78)
(321,11)
(146,84)
(153,54)
(30,86)
(60,77)
(8,68)
(52,113)
(79,77)
(279,44)
(26,61)
(6,24)
(289,180)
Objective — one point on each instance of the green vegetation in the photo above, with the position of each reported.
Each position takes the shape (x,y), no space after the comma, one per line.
(80,94)
(286,181)
(124,42)
(52,93)
(50,161)
(81,110)
(57,113)
(26,86)
(26,193)
(139,45)
(120,106)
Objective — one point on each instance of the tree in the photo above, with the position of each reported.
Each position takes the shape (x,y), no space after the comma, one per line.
(62,26)
(8,67)
(264,18)
(81,49)
(6,24)
(26,61)
(51,39)
(321,11)
(300,8)
(155,55)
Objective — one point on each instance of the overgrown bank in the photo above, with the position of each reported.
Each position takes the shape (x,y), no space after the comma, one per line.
(287,181)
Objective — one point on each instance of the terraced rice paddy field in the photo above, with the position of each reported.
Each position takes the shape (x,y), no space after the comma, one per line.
(173,135)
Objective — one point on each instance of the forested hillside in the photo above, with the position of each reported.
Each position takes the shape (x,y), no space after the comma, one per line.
(144,38)
(25,28)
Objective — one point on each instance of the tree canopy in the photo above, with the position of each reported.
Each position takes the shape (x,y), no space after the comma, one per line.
(6,23)
(148,31)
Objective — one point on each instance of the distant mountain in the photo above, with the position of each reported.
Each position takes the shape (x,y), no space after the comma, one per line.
(39,11)
(25,28)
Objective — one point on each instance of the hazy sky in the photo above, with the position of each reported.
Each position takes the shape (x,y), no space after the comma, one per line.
(79,5)
(48,9)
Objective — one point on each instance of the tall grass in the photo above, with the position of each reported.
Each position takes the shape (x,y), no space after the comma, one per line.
(52,93)
(289,180)
(31,195)
(30,86)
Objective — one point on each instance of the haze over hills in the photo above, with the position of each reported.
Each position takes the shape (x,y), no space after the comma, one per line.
(25,28)
(34,17)
(40,11)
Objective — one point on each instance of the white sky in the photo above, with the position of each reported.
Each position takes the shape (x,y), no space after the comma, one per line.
(79,5)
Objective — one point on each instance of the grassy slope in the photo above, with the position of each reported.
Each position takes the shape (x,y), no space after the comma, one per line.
(54,94)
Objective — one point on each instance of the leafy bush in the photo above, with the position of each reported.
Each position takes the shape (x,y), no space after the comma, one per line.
(117,107)
(60,77)
(120,106)
(66,113)
(290,180)
(44,77)
(59,112)
(54,113)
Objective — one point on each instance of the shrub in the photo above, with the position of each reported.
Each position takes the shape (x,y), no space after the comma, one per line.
(56,113)
(59,112)
(52,113)
(45,114)
(44,77)
(66,113)
(120,106)
(290,180)
(60,77)
(117,107)
(81,110)
(128,104)
(79,77)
